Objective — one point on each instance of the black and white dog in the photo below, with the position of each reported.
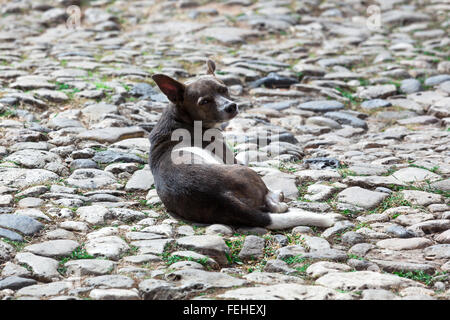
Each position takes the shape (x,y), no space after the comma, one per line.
(198,185)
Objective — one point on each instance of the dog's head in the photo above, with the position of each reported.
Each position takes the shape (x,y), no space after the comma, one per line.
(205,99)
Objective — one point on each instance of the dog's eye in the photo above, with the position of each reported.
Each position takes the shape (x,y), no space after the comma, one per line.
(205,101)
(223,90)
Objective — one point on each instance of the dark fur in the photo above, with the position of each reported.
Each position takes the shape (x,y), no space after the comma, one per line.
(205,193)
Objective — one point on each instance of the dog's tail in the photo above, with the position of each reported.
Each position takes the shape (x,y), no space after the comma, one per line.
(297,217)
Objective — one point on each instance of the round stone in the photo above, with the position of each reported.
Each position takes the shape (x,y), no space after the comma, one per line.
(321,106)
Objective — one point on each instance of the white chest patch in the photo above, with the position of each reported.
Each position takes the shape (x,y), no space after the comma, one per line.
(197,156)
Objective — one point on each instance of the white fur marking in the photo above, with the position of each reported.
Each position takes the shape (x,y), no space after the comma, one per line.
(295,217)
(202,153)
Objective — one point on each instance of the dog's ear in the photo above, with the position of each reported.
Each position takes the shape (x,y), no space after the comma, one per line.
(173,89)
(211,67)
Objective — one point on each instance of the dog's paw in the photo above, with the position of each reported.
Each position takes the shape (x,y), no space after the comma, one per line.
(277,207)
(279,194)
(274,202)
(281,207)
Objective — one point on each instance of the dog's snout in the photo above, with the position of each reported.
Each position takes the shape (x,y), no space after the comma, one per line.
(231,107)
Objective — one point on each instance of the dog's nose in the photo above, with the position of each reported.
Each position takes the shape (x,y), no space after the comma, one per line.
(231,107)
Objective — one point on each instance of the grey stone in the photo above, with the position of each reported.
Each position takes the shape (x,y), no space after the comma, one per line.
(23,224)
(443,237)
(315,243)
(114,294)
(209,245)
(290,252)
(111,135)
(60,234)
(154,289)
(438,251)
(430,226)
(11,235)
(43,269)
(19,177)
(109,156)
(271,278)
(326,254)
(181,265)
(152,246)
(375,103)
(288,291)
(143,258)
(361,249)
(89,267)
(321,106)
(93,214)
(351,238)
(420,120)
(421,198)
(83,164)
(204,279)
(51,95)
(16,283)
(278,265)
(345,118)
(126,215)
(404,244)
(192,255)
(12,269)
(377,294)
(6,200)
(361,197)
(410,86)
(339,227)
(399,231)
(401,266)
(33,191)
(403,17)
(142,180)
(109,281)
(74,226)
(252,248)
(6,251)
(358,280)
(435,80)
(97,111)
(228,35)
(282,240)
(30,202)
(321,268)
(323,122)
(374,92)
(91,178)
(32,82)
(53,248)
(45,290)
(110,246)
(441,185)
(219,229)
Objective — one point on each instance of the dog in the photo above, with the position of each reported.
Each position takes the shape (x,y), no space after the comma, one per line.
(198,185)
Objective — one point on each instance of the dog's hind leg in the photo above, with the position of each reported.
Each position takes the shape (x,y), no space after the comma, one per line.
(240,213)
(296,217)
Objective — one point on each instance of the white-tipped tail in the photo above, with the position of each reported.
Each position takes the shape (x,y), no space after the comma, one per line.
(296,217)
